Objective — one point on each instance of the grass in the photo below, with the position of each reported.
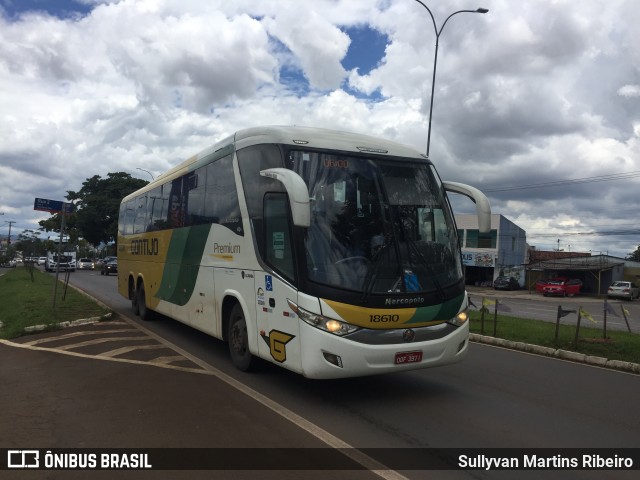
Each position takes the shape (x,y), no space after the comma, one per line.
(618,345)
(27,300)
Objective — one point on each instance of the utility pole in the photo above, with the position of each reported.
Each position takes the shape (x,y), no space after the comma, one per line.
(11,222)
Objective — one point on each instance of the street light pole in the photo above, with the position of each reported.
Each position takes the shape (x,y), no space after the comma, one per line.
(435,57)
(152,179)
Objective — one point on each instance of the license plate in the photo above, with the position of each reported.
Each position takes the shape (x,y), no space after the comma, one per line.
(408,357)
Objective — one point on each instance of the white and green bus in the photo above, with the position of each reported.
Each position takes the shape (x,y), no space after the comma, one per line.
(332,254)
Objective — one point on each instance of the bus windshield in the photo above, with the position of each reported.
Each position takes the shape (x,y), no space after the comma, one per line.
(377,225)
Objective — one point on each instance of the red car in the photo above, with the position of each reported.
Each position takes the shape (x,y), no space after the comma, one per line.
(559,286)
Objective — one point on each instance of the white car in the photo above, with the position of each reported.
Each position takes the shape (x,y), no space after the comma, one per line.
(622,289)
(85,264)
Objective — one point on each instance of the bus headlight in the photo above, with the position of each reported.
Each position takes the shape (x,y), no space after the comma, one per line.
(460,319)
(330,325)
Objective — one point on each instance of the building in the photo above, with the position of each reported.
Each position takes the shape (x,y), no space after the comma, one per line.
(486,256)
(597,272)
(504,251)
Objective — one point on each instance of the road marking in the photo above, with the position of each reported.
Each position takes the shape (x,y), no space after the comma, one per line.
(167,360)
(123,350)
(318,432)
(98,341)
(314,430)
(75,334)
(98,357)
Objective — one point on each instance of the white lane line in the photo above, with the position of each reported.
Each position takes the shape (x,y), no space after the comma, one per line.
(97,341)
(329,439)
(74,335)
(167,360)
(319,433)
(98,357)
(123,350)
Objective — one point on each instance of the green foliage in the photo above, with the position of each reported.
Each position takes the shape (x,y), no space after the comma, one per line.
(635,256)
(29,244)
(26,302)
(97,204)
(619,345)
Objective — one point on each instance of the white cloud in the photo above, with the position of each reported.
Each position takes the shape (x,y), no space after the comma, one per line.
(631,91)
(532,92)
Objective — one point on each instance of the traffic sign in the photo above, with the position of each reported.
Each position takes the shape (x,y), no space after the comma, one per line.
(52,206)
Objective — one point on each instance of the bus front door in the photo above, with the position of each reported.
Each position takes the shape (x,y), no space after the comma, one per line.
(277,324)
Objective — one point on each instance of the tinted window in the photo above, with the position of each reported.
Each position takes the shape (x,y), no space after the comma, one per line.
(156,218)
(207,195)
(475,239)
(221,199)
(278,248)
(251,161)
(196,184)
(140,222)
(177,205)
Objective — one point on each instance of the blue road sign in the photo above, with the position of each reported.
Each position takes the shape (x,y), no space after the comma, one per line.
(52,206)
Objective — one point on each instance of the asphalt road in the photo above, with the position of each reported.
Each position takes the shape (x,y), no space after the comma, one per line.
(496,398)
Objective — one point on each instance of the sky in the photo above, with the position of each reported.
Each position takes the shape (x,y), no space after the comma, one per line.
(537,102)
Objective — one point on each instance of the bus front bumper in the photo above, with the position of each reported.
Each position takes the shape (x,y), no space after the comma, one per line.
(329,356)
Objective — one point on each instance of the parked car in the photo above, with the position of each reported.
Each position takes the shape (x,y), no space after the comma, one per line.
(85,264)
(560,286)
(506,283)
(540,284)
(42,260)
(622,289)
(109,266)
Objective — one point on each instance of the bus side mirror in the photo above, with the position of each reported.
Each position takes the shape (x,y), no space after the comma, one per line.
(480,199)
(297,191)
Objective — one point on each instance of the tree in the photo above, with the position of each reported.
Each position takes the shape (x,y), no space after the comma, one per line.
(635,256)
(97,205)
(29,244)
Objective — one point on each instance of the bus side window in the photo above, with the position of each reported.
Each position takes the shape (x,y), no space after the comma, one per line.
(140,214)
(176,204)
(278,246)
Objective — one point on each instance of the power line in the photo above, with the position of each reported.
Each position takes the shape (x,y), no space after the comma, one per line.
(575,181)
(593,234)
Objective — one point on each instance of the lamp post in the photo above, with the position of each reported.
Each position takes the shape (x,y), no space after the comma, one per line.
(435,58)
(152,179)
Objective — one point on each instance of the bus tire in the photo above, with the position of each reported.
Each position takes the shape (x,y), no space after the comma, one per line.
(133,295)
(239,340)
(145,312)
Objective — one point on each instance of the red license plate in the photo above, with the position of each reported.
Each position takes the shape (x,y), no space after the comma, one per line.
(408,357)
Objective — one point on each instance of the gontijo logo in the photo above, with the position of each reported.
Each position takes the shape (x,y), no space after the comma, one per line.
(145,246)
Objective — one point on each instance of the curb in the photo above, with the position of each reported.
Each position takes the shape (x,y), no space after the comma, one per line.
(68,324)
(557,353)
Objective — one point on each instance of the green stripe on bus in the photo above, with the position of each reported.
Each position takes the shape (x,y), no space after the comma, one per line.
(444,311)
(183,263)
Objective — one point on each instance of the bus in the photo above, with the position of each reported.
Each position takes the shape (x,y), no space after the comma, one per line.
(329,253)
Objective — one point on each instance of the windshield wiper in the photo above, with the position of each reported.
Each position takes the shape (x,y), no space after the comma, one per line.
(425,263)
(372,274)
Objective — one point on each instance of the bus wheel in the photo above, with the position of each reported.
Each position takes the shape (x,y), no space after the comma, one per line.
(145,312)
(133,295)
(239,340)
